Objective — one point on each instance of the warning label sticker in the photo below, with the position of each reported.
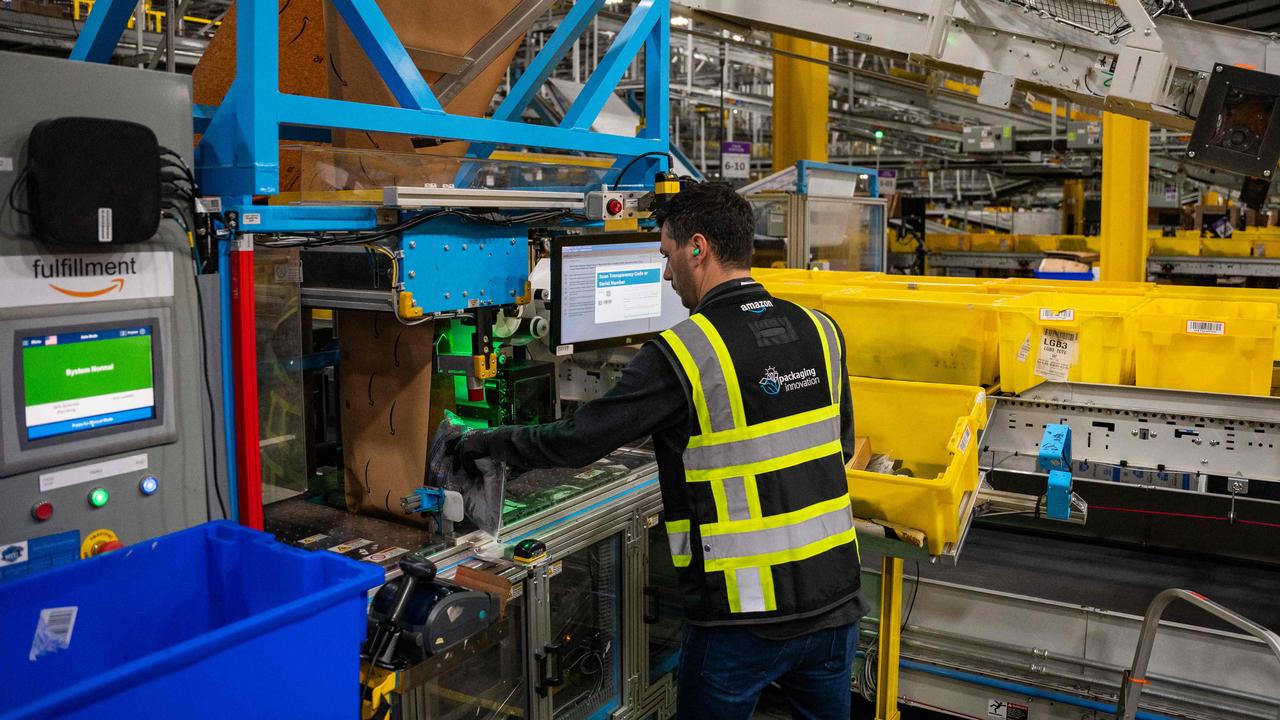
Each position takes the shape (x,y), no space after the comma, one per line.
(1057,354)
(384,555)
(997,708)
(350,545)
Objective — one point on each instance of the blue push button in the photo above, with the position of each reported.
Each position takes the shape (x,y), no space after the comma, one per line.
(149,485)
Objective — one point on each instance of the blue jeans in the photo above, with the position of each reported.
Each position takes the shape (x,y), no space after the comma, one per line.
(723,670)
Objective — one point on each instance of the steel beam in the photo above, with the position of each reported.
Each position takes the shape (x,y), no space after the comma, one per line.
(102,30)
(599,87)
(388,55)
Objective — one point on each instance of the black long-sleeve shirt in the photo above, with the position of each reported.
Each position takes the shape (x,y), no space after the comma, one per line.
(650,400)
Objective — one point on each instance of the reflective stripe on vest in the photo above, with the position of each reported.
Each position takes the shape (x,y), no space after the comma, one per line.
(681,544)
(778,538)
(830,350)
(729,454)
(762,442)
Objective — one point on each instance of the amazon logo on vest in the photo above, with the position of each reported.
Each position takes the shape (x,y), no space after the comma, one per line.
(80,268)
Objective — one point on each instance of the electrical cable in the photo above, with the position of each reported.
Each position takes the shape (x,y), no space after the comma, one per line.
(395,304)
(671,162)
(22,178)
(326,239)
(867,678)
(208,389)
(906,618)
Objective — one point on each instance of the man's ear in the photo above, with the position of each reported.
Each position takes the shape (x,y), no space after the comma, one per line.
(699,243)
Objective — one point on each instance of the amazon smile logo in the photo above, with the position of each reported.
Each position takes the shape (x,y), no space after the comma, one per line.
(116,285)
(80,267)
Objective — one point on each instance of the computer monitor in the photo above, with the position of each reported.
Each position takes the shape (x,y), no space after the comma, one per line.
(79,382)
(607,290)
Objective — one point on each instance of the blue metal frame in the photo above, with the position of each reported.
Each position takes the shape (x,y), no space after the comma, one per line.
(804,166)
(238,156)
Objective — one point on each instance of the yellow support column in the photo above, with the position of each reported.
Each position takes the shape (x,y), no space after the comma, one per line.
(890,639)
(801,100)
(1126,167)
(1073,207)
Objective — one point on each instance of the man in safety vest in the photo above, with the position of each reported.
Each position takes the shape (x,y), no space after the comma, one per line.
(748,405)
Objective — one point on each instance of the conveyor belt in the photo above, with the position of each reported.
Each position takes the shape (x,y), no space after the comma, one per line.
(1112,578)
(318,527)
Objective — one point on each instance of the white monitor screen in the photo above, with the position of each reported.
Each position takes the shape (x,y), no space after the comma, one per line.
(610,291)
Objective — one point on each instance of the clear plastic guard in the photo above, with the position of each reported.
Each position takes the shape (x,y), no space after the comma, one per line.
(319,174)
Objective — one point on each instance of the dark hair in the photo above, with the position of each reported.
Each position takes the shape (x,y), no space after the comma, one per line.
(717,211)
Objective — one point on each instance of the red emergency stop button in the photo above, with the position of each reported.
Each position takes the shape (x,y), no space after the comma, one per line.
(42,510)
(106,547)
(614,207)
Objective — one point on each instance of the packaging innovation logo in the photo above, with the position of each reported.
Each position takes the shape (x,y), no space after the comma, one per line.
(774,382)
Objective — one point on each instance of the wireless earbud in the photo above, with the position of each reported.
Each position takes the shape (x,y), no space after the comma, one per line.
(697,252)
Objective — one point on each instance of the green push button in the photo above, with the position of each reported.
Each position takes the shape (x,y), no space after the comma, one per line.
(98,497)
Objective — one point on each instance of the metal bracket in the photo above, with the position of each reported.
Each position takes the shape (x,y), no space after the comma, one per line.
(1055,459)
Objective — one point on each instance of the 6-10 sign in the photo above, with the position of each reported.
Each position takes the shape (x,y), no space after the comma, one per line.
(735,160)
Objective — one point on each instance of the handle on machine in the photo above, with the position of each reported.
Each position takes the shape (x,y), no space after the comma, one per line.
(415,570)
(550,658)
(651,608)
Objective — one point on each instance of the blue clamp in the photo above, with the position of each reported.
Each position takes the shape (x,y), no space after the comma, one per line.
(448,504)
(1055,459)
(423,500)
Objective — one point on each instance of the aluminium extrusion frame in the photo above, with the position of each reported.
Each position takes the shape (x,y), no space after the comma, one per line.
(618,509)
(811,179)
(238,155)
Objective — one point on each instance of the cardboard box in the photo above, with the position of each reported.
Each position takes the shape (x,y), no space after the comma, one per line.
(861,454)
(385,390)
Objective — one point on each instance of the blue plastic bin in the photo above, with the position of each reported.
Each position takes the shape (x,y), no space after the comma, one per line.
(1081,276)
(217,622)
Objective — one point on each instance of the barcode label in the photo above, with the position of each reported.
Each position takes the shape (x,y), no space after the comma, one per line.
(53,631)
(1057,315)
(964,439)
(1204,327)
(104,225)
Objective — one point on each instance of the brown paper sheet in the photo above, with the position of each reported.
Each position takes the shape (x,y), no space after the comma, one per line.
(385,384)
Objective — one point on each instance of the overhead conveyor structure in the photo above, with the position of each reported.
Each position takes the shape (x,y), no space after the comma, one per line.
(1154,69)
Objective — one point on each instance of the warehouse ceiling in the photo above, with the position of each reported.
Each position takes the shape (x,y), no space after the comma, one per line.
(1259,15)
(884,110)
